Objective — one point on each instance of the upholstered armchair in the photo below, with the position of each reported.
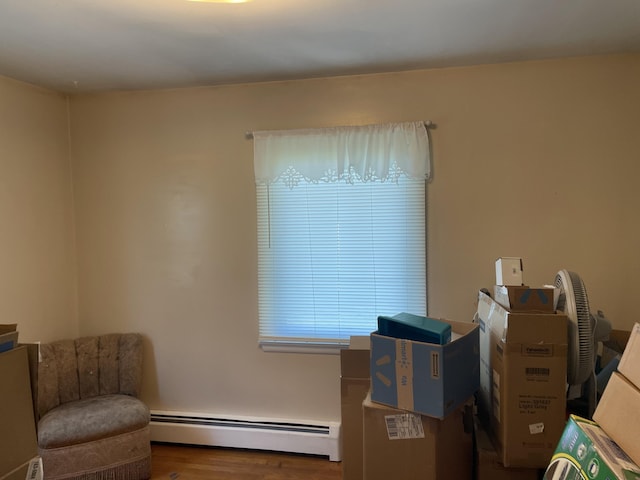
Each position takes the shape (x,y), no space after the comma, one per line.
(91,425)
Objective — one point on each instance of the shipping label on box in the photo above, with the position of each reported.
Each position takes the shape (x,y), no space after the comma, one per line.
(586,452)
(523,361)
(426,378)
(404,425)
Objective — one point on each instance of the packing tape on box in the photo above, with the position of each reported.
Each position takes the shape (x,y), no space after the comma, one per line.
(404,373)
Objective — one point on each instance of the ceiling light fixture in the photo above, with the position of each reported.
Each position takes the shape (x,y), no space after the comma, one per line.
(220,1)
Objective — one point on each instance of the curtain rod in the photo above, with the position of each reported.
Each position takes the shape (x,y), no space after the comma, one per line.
(428,123)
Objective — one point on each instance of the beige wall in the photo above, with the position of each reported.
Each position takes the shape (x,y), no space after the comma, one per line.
(536,159)
(37,270)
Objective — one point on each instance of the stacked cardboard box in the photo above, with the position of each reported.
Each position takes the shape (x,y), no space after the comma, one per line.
(417,420)
(354,385)
(523,368)
(8,337)
(523,298)
(410,446)
(618,412)
(523,362)
(487,464)
(607,447)
(18,444)
(426,378)
(381,442)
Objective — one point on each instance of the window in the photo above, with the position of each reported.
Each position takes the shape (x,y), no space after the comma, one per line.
(341,231)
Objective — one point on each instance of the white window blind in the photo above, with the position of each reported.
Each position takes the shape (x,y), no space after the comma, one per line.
(341,230)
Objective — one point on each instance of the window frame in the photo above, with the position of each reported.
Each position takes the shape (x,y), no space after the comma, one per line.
(319,344)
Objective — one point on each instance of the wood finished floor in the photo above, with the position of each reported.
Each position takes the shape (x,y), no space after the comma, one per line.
(177,462)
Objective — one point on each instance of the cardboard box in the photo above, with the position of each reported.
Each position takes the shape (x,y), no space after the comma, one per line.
(612,349)
(354,386)
(8,341)
(18,442)
(33,354)
(487,465)
(617,341)
(630,361)
(618,413)
(31,470)
(409,446)
(526,299)
(523,372)
(8,327)
(586,452)
(426,378)
(509,271)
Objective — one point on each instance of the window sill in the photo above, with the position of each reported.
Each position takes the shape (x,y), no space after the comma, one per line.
(289,346)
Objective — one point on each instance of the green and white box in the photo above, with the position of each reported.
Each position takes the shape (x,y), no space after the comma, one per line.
(586,452)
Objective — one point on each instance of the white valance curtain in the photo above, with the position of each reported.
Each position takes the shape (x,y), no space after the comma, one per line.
(341,231)
(362,153)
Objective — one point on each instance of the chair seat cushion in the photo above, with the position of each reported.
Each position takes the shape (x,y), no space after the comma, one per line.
(91,419)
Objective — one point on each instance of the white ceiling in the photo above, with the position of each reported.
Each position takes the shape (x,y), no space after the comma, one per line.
(92,45)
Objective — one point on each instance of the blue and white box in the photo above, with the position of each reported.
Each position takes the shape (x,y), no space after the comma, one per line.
(426,378)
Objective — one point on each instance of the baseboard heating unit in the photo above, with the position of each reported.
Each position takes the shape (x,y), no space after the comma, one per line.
(252,433)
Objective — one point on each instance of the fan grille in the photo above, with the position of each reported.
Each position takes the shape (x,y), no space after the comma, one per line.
(575,304)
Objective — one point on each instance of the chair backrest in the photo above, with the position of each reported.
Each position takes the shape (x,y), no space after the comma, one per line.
(88,366)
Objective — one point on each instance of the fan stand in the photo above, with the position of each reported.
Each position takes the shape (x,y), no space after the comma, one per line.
(584,404)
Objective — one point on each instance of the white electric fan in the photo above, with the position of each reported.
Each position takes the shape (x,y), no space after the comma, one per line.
(584,333)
